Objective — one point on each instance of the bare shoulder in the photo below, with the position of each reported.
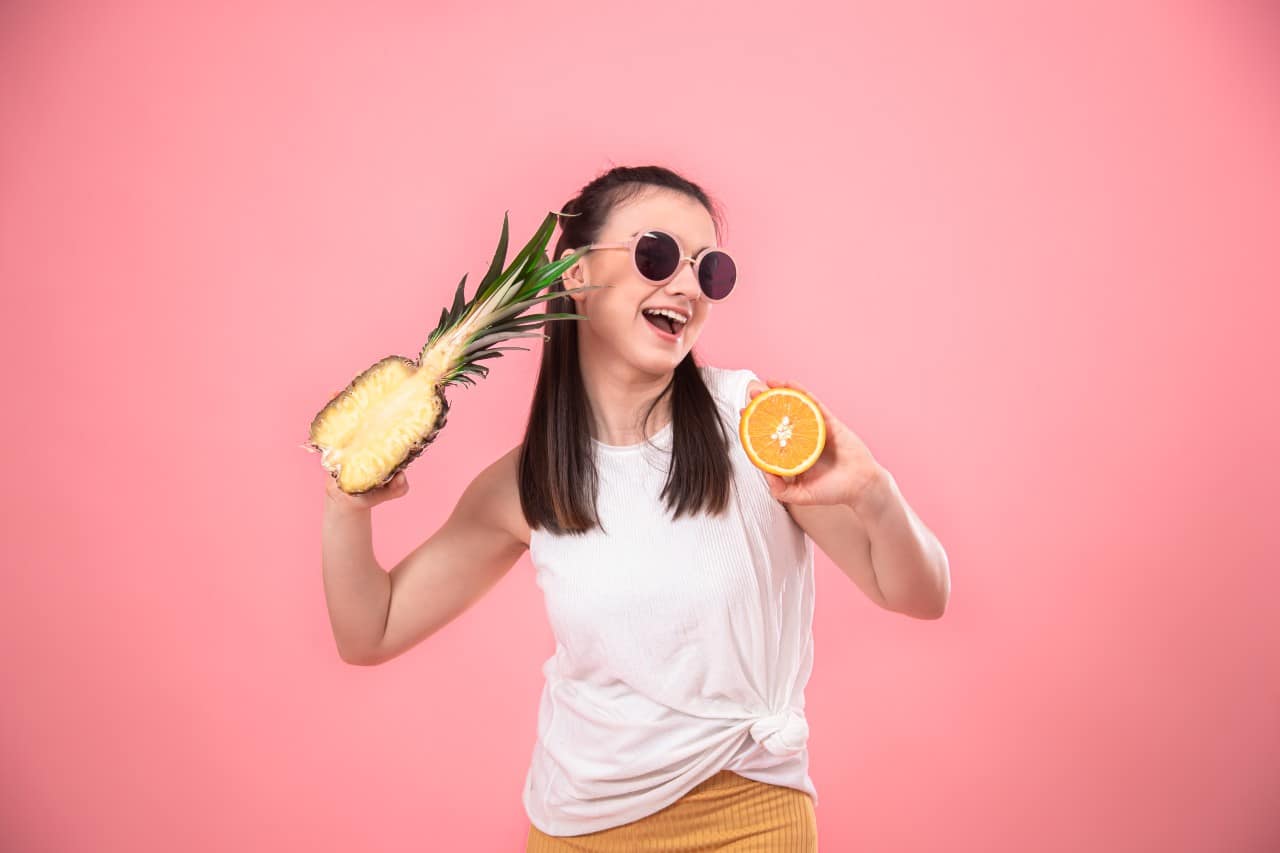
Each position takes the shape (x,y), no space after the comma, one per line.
(500,486)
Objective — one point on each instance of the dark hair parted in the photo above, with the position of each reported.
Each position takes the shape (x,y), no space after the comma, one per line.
(558,476)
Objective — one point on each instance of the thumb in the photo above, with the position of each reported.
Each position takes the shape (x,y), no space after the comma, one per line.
(394,486)
(778,487)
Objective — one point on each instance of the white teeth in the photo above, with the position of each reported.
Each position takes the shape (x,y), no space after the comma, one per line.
(667,312)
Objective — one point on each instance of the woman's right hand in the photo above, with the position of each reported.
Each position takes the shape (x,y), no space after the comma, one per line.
(396,487)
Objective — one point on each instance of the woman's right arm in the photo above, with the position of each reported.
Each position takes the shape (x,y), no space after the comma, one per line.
(376,615)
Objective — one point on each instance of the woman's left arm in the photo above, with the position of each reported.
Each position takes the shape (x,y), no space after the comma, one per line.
(852,508)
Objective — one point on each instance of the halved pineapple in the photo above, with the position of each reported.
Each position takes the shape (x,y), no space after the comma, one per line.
(386,417)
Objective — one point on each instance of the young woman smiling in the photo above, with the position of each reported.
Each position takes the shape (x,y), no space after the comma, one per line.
(677,577)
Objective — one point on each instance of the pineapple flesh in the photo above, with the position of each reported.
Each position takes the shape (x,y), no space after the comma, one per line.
(390,413)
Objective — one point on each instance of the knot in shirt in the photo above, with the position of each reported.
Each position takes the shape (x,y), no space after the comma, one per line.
(782,733)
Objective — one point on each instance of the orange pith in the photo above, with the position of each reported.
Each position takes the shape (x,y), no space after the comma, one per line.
(782,431)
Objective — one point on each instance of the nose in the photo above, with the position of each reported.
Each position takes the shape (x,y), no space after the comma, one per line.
(782,733)
(685,281)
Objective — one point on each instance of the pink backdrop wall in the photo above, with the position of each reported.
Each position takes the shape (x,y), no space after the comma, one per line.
(1029,255)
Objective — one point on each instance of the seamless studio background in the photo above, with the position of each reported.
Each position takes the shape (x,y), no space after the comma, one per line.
(1026,251)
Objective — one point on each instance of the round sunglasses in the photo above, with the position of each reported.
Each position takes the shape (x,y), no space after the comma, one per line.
(657,256)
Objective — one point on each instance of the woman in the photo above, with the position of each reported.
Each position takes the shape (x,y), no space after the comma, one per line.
(678,578)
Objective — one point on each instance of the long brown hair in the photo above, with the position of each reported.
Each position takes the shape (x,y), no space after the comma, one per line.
(558,478)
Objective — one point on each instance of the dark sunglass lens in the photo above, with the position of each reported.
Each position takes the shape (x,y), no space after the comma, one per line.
(657,256)
(717,274)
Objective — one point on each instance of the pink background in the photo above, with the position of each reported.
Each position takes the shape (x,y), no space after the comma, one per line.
(1029,255)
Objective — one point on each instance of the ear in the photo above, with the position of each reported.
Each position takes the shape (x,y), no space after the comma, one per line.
(572,278)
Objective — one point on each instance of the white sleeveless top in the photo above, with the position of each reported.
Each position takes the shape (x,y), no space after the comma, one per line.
(682,647)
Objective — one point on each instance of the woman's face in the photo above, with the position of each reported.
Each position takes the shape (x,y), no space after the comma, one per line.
(615,321)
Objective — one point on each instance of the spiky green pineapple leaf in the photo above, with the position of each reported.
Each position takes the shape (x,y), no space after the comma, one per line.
(480,356)
(548,274)
(530,321)
(499,257)
(505,295)
(504,349)
(458,302)
(535,278)
(502,336)
(465,372)
(525,305)
(535,245)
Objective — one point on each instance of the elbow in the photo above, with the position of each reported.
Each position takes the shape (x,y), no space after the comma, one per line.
(360,661)
(938,605)
(934,606)
(933,609)
(359,658)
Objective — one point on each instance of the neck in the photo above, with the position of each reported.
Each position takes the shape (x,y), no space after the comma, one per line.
(619,396)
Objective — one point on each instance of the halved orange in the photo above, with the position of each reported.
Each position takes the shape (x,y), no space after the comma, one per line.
(782,431)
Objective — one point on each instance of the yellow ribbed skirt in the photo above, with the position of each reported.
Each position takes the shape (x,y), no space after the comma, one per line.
(724,812)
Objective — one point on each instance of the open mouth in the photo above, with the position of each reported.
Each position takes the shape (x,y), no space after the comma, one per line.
(664,323)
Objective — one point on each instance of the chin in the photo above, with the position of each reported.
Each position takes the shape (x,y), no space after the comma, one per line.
(656,364)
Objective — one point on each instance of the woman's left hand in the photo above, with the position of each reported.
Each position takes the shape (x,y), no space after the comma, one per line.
(845,473)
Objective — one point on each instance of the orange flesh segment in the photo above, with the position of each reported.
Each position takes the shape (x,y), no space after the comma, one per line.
(782,429)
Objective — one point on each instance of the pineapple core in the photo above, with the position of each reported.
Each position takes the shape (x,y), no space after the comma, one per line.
(373,426)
